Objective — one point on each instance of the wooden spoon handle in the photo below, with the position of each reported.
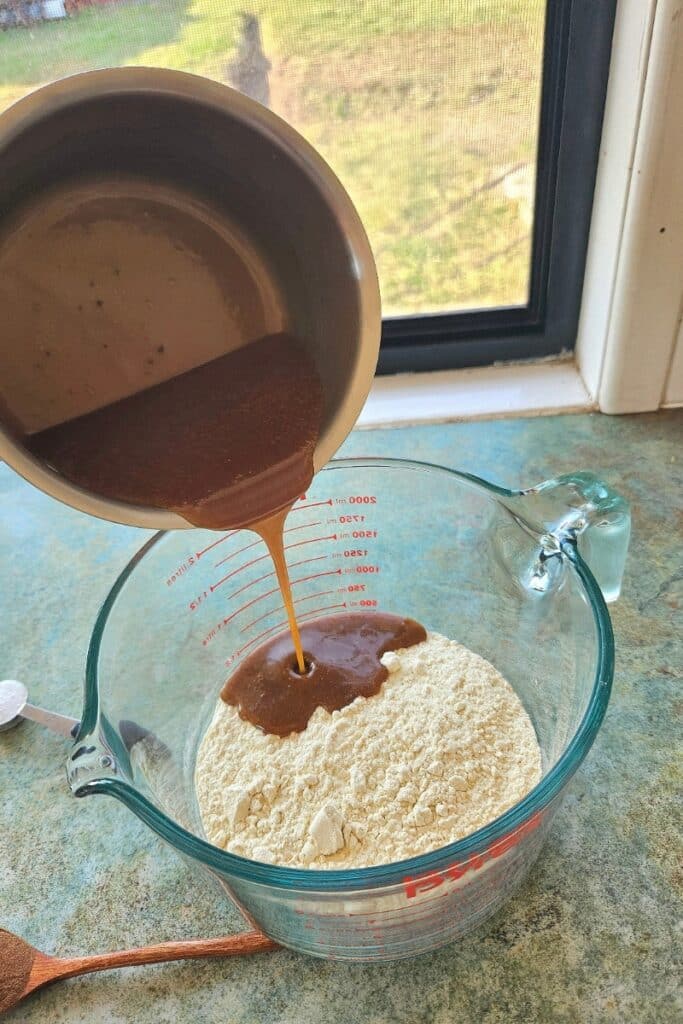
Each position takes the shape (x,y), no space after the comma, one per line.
(48,968)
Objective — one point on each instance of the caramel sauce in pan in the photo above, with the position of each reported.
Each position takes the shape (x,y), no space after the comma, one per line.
(224,445)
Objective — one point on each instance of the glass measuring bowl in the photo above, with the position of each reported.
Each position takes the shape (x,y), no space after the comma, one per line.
(504,572)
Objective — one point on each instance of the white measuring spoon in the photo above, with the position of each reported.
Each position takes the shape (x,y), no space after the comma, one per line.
(14,706)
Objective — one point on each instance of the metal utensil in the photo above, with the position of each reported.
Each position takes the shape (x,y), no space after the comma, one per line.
(14,707)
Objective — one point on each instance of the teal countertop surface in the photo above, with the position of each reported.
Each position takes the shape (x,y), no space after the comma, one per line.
(591,936)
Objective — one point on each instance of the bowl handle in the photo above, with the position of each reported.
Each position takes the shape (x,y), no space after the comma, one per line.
(580,509)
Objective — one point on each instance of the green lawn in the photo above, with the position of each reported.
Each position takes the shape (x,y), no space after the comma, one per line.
(426,109)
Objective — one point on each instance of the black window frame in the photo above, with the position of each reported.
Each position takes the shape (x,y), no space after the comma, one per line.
(576,57)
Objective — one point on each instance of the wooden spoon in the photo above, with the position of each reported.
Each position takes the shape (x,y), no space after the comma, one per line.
(25,968)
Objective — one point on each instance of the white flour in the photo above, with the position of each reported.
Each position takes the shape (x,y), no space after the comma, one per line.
(442,749)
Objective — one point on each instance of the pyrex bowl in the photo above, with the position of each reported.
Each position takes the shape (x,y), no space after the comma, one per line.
(501,571)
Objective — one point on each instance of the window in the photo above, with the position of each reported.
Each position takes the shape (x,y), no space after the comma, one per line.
(466,131)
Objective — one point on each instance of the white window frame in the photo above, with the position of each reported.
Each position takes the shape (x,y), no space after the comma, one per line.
(629,349)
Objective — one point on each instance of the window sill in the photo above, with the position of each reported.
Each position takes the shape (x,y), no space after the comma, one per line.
(485,392)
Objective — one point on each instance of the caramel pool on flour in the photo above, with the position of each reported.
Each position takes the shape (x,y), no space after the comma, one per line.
(342,654)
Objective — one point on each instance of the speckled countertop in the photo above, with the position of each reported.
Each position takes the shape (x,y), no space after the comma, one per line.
(591,937)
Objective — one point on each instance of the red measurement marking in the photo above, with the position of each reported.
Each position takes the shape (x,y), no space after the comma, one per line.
(316,611)
(215,543)
(181,570)
(268,593)
(255,542)
(300,543)
(212,634)
(300,600)
(260,579)
(279,625)
(302,579)
(317,575)
(266,632)
(220,625)
(238,552)
(255,600)
(292,529)
(309,597)
(313,540)
(253,561)
(313,504)
(305,561)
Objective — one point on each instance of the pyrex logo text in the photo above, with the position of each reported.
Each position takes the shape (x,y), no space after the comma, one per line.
(415,886)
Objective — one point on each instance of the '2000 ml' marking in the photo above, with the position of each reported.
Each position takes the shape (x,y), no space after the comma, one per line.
(419,884)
